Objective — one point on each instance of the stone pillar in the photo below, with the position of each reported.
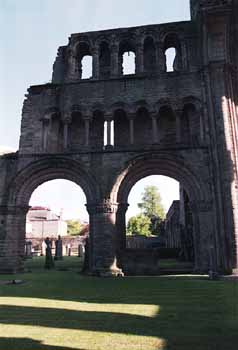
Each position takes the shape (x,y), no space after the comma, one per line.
(108,119)
(131,117)
(160,57)
(178,115)
(209,255)
(12,238)
(95,53)
(155,135)
(114,61)
(103,260)
(121,226)
(139,58)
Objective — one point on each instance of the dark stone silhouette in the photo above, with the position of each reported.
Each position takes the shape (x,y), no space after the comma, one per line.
(49,262)
(58,249)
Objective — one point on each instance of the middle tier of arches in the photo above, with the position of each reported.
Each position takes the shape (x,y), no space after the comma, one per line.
(122,126)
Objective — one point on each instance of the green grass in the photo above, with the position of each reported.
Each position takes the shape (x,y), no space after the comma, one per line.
(175,264)
(64,310)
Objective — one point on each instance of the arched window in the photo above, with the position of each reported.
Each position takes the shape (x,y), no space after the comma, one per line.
(170,57)
(191,129)
(172,50)
(128,63)
(127,58)
(76,131)
(121,128)
(143,127)
(167,125)
(85,60)
(55,142)
(149,55)
(97,130)
(104,61)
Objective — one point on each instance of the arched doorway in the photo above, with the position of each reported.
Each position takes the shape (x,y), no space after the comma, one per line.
(174,167)
(25,183)
(57,211)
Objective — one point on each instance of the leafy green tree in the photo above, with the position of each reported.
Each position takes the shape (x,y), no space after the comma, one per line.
(139,225)
(74,227)
(151,205)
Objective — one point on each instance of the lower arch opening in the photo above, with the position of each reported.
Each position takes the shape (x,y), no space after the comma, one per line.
(159,232)
(57,226)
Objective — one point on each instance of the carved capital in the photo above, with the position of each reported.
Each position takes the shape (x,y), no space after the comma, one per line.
(67,118)
(108,117)
(131,115)
(154,114)
(105,207)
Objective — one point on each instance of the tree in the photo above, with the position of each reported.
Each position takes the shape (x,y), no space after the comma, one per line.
(139,225)
(151,204)
(152,207)
(74,227)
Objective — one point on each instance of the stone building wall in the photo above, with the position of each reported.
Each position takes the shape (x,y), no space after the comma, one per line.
(181,124)
(172,226)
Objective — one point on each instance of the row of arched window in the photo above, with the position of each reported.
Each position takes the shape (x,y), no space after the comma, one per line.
(126,57)
(122,129)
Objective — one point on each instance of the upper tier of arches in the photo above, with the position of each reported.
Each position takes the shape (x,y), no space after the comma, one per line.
(149,47)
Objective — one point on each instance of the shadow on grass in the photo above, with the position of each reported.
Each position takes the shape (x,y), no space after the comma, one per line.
(29,344)
(193,312)
(113,322)
(181,327)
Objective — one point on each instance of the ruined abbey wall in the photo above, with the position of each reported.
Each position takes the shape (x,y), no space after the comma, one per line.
(107,132)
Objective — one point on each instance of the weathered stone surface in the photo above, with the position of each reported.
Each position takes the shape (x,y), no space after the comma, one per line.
(181,124)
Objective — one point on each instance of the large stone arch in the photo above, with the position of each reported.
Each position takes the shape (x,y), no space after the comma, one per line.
(50,168)
(20,190)
(166,164)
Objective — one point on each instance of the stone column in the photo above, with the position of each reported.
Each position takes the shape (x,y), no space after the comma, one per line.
(178,116)
(108,119)
(12,238)
(155,135)
(114,60)
(139,58)
(121,226)
(209,255)
(95,53)
(103,260)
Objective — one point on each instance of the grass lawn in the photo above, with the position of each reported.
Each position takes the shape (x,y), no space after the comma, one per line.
(61,309)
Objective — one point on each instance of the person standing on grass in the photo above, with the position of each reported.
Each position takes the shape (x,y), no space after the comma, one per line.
(49,262)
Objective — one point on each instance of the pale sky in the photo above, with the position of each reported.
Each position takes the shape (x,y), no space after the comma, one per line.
(33,30)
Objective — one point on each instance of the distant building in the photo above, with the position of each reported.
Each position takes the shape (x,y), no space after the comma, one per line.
(42,222)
